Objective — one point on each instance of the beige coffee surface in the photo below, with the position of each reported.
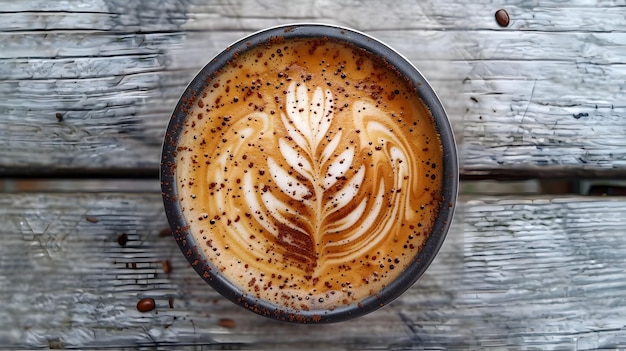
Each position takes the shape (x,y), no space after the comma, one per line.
(309,173)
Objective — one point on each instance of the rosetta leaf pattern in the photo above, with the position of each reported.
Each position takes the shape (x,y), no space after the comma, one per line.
(310,214)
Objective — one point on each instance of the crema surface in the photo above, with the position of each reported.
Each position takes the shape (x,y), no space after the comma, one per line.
(309,172)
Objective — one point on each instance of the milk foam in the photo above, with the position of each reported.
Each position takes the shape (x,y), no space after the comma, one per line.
(315,192)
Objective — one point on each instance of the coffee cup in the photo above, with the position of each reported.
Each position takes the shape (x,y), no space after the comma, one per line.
(309,173)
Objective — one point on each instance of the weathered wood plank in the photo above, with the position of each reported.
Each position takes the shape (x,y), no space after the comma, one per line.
(557,16)
(514,272)
(543,97)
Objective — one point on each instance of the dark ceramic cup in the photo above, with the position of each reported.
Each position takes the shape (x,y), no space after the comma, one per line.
(295,271)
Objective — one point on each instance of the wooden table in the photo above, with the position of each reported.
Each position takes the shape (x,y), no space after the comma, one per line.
(86,90)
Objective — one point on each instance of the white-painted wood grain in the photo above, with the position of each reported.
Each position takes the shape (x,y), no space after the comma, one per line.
(514,272)
(542,97)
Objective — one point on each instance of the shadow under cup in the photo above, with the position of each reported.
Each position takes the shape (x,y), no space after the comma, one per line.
(197,256)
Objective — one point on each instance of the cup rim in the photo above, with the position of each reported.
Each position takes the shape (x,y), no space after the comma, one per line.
(187,242)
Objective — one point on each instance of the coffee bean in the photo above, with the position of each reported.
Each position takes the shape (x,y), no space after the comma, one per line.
(167,268)
(122,239)
(92,219)
(165,232)
(502,17)
(226,323)
(146,305)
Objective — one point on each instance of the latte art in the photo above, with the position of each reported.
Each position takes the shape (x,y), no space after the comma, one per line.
(310,172)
